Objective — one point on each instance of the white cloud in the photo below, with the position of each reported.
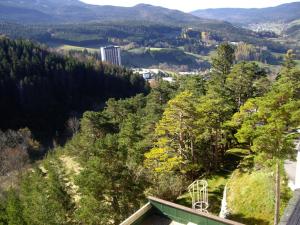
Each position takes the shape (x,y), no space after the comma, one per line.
(189,5)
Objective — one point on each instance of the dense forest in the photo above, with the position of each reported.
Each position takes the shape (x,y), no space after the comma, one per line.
(155,143)
(41,90)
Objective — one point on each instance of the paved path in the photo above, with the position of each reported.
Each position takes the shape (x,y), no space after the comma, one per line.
(290,168)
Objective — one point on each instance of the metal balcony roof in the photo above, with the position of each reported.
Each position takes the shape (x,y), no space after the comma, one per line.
(161,212)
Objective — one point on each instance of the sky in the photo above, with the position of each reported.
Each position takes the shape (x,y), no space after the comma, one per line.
(190,5)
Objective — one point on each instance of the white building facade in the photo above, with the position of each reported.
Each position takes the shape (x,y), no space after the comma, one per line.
(111,54)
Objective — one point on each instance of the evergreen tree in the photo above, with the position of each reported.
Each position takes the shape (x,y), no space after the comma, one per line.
(195,84)
(222,63)
(3,214)
(175,133)
(213,111)
(108,183)
(43,199)
(14,209)
(241,82)
(266,123)
(289,60)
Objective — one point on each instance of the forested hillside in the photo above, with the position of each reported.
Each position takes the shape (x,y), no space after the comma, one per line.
(41,90)
(157,144)
(279,14)
(142,31)
(281,20)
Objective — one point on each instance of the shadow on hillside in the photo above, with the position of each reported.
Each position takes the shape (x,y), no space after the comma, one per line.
(247,220)
(215,199)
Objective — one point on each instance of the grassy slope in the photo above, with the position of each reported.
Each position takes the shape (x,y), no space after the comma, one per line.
(298,63)
(147,57)
(216,185)
(77,48)
(250,193)
(68,168)
(217,182)
(251,197)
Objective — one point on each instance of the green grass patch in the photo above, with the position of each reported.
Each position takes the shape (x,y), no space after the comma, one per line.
(217,182)
(78,48)
(216,185)
(144,49)
(172,58)
(156,49)
(298,63)
(195,55)
(137,50)
(251,196)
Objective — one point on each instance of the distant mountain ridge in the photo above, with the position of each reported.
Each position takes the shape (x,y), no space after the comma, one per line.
(70,11)
(76,21)
(283,13)
(55,12)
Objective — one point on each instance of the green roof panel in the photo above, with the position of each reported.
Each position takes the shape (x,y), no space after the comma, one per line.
(161,212)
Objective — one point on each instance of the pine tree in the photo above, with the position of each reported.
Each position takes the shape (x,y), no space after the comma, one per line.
(3,214)
(241,82)
(107,185)
(14,209)
(42,202)
(266,123)
(174,148)
(212,110)
(289,58)
(222,63)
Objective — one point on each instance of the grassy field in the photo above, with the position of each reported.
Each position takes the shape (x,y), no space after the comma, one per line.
(298,63)
(77,48)
(156,49)
(216,185)
(137,50)
(195,55)
(217,182)
(251,196)
(169,58)
(250,192)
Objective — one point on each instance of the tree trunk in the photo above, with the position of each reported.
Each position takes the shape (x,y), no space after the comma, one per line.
(192,151)
(277,195)
(239,101)
(181,141)
(116,207)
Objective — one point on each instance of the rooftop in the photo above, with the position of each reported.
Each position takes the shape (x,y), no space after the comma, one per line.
(161,212)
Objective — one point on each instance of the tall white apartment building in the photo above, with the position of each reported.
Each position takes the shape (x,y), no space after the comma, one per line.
(111,54)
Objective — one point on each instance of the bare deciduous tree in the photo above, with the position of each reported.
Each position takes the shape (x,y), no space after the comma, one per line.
(73,125)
